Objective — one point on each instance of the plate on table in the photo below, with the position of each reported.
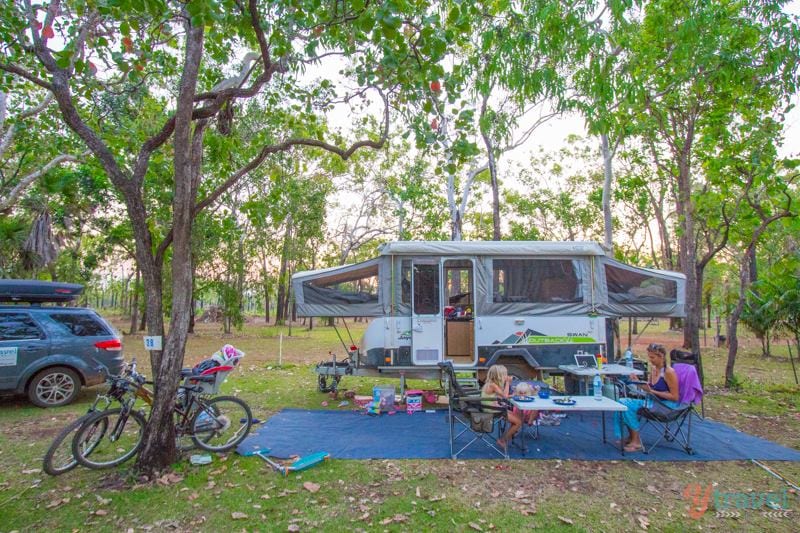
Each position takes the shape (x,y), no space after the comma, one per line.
(523,398)
(564,401)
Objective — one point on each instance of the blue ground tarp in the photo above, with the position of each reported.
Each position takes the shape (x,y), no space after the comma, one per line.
(424,435)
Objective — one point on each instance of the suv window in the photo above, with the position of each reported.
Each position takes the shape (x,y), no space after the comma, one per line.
(18,326)
(80,325)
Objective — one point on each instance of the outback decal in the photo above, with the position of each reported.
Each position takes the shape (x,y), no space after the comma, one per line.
(405,336)
(8,356)
(549,339)
(518,337)
(534,337)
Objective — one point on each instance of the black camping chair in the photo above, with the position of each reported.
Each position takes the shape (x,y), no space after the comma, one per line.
(691,358)
(476,418)
(669,422)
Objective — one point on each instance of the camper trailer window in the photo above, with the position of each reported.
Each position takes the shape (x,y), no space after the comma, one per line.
(536,281)
(426,289)
(458,282)
(629,286)
(352,287)
(405,282)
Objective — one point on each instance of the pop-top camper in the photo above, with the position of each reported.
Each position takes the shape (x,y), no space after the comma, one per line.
(529,305)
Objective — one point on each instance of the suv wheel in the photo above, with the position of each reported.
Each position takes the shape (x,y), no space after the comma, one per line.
(53,387)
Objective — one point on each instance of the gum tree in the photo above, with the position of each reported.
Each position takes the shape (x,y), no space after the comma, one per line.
(697,68)
(191,65)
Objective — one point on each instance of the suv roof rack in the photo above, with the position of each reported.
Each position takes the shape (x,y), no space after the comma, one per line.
(34,291)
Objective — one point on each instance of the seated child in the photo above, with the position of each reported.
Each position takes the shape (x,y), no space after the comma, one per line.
(524,388)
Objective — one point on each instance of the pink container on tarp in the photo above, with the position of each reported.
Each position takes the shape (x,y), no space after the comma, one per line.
(413,401)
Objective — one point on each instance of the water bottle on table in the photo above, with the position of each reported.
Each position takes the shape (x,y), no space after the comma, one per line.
(597,385)
(629,358)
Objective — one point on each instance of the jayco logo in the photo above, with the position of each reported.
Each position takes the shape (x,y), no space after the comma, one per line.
(729,504)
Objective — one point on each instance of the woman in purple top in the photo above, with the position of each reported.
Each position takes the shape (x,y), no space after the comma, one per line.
(662,383)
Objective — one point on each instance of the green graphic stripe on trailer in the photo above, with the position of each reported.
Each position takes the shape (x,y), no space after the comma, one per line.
(550,339)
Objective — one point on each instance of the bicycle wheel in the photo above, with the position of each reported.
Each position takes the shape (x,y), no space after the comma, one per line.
(221,423)
(59,458)
(120,441)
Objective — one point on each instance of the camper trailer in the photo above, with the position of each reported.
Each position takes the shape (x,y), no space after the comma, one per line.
(529,305)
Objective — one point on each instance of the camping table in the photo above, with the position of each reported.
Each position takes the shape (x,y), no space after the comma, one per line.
(587,373)
(582,403)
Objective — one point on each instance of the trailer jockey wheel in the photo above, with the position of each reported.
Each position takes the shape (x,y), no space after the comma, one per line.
(322,383)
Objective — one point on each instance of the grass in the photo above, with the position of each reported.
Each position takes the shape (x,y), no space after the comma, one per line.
(235,493)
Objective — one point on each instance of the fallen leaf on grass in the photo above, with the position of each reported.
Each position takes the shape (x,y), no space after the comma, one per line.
(32,471)
(101,512)
(644,523)
(193,496)
(101,500)
(56,503)
(311,487)
(566,520)
(236,515)
(170,479)
(475,526)
(396,518)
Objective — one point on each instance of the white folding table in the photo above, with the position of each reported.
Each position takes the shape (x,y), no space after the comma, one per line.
(587,373)
(582,403)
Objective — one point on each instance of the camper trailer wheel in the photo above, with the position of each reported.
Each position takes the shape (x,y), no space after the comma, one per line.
(324,386)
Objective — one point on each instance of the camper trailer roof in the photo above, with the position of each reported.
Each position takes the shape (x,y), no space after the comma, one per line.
(570,248)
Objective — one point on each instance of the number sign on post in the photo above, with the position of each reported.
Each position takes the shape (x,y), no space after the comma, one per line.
(152,343)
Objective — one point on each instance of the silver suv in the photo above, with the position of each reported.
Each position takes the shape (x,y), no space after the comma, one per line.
(50,352)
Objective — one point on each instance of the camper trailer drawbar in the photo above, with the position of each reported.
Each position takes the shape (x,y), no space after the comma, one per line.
(529,305)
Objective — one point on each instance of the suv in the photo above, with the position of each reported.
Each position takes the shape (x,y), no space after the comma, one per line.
(50,352)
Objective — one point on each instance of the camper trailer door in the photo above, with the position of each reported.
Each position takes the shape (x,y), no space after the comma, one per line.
(426,314)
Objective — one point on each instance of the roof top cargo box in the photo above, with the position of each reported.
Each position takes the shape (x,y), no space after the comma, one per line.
(33,291)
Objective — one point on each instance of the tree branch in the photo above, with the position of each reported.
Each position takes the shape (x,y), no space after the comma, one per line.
(22,73)
(9,201)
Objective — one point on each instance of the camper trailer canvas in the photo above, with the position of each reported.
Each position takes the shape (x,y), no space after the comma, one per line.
(529,305)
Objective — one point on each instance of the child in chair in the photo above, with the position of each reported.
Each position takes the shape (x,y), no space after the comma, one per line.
(524,388)
(497,385)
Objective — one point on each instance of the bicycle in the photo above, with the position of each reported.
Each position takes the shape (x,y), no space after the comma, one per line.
(210,423)
(59,459)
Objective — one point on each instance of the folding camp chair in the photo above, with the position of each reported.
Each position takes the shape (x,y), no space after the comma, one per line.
(672,422)
(470,414)
(690,358)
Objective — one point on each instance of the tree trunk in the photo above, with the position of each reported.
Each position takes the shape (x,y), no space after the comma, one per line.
(455,229)
(493,176)
(608,172)
(135,304)
(194,301)
(158,446)
(266,302)
(282,298)
(733,320)
(688,252)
